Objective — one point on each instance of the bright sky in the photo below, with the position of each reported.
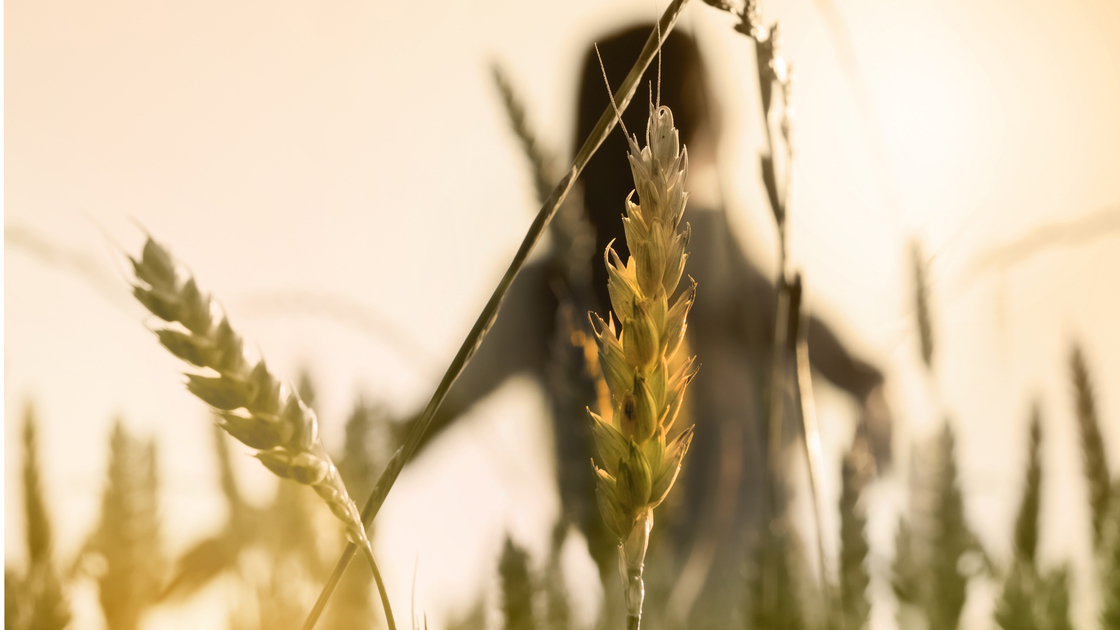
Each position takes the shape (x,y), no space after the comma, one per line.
(359,150)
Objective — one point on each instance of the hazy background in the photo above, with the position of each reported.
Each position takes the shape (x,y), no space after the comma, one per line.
(358,151)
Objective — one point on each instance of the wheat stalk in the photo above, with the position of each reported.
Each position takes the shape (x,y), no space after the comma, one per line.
(256,408)
(775,73)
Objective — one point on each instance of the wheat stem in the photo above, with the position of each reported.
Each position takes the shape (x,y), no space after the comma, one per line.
(380,587)
(486,318)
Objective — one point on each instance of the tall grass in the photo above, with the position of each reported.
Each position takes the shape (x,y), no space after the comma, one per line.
(35,599)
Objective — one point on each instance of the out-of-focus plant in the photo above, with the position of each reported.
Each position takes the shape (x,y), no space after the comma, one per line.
(780,579)
(934,541)
(853,609)
(1032,600)
(36,599)
(778,590)
(517,588)
(278,553)
(1093,456)
(127,540)
(1110,586)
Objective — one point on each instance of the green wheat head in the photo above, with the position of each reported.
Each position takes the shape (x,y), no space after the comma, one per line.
(639,464)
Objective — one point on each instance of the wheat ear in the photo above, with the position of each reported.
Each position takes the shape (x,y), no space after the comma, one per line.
(256,408)
(639,463)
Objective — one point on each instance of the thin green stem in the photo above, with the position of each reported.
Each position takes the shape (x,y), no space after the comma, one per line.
(485,319)
(632,622)
(380,587)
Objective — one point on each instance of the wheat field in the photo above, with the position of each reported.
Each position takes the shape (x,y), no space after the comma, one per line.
(345,181)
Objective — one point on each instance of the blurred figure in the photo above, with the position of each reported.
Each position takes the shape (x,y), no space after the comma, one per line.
(542,328)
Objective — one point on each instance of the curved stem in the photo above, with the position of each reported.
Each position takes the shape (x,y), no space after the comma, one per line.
(606,123)
(380,587)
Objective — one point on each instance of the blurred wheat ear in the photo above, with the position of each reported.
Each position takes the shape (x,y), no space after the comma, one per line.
(952,539)
(517,587)
(212,556)
(1030,599)
(572,238)
(933,542)
(543,165)
(1110,587)
(854,608)
(35,600)
(1094,458)
(1026,523)
(777,590)
(128,535)
(921,303)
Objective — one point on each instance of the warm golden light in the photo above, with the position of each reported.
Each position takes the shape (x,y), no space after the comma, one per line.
(343,178)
